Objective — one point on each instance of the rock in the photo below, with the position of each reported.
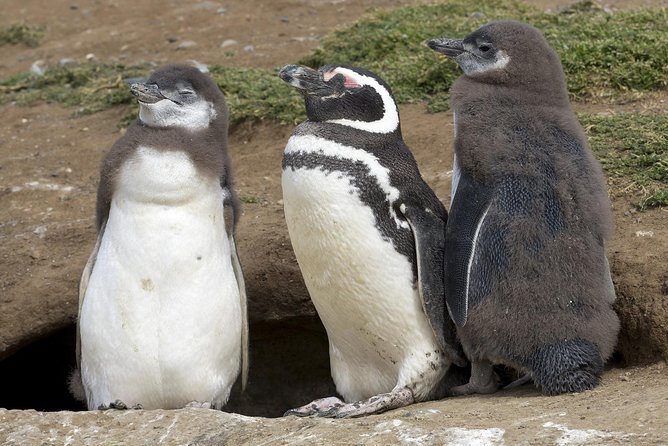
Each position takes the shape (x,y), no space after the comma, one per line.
(38,67)
(228,42)
(186,44)
(488,420)
(204,68)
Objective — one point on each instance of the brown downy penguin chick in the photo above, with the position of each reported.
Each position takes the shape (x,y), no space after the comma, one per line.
(162,303)
(527,280)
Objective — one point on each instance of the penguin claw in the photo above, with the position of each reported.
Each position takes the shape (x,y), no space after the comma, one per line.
(119,405)
(200,405)
(316,408)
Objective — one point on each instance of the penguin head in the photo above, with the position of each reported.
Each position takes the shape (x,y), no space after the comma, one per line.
(179,96)
(504,52)
(345,95)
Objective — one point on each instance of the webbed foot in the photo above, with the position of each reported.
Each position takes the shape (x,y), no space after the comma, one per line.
(316,407)
(335,408)
(119,405)
(519,382)
(200,405)
(483,380)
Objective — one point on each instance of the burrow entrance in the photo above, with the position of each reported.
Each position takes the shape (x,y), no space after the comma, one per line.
(289,366)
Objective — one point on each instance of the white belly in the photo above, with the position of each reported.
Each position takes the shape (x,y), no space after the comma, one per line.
(160,323)
(361,287)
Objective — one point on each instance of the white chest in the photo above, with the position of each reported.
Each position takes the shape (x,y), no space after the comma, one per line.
(362,288)
(162,304)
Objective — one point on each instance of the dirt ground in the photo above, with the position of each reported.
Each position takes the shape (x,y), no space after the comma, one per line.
(49,159)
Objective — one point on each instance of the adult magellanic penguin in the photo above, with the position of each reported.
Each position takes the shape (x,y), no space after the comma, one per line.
(527,280)
(368,234)
(162,310)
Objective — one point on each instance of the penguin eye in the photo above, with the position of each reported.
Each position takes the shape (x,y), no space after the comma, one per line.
(186,92)
(484,47)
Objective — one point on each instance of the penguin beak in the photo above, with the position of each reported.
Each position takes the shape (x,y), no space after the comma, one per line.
(147,93)
(305,79)
(450,47)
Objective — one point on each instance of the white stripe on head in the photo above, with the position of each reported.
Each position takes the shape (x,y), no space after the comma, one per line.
(314,144)
(390,120)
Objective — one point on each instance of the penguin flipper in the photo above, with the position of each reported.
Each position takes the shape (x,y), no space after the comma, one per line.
(238,274)
(467,217)
(429,236)
(75,384)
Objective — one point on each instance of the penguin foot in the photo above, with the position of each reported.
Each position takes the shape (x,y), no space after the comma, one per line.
(200,405)
(376,404)
(119,405)
(518,382)
(483,380)
(316,407)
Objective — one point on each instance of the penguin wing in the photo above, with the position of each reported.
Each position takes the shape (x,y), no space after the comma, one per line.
(238,274)
(466,221)
(428,230)
(83,286)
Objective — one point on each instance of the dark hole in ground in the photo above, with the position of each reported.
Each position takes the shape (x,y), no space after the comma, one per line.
(289,366)
(35,377)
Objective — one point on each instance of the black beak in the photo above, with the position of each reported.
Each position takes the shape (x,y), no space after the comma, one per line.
(450,47)
(147,93)
(306,79)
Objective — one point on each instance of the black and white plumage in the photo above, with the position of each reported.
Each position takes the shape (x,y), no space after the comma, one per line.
(368,234)
(527,280)
(162,304)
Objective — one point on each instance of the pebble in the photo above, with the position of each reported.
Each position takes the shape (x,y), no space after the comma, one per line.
(186,44)
(90,56)
(37,68)
(249,48)
(228,42)
(200,66)
(66,61)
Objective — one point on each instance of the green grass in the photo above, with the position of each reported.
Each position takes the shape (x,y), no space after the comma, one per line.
(29,35)
(257,94)
(604,55)
(91,87)
(634,147)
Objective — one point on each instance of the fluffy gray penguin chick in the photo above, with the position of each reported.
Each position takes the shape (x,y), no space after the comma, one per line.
(527,280)
(162,303)
(368,234)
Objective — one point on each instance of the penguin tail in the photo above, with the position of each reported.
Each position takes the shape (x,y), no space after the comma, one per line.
(564,367)
(75,385)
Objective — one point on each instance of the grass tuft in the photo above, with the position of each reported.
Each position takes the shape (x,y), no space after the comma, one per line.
(91,87)
(634,147)
(254,94)
(604,55)
(29,35)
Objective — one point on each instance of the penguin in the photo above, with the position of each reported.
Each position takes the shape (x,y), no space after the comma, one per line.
(528,283)
(368,233)
(162,302)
